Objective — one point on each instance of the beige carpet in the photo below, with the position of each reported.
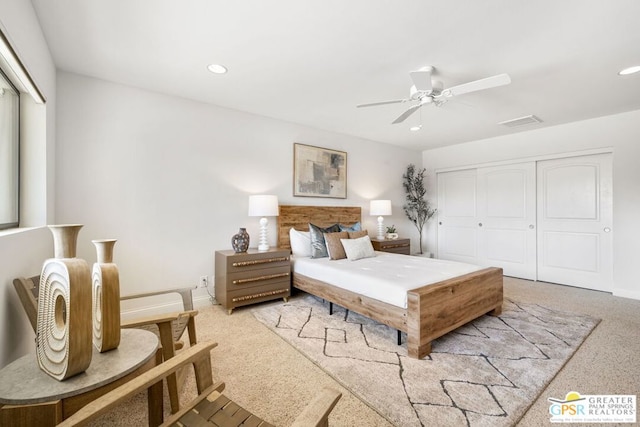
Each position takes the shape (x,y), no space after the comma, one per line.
(486,373)
(265,374)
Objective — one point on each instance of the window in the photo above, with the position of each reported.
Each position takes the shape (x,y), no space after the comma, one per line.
(15,81)
(9,154)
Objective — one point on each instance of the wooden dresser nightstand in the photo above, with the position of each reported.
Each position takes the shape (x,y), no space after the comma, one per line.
(396,246)
(253,276)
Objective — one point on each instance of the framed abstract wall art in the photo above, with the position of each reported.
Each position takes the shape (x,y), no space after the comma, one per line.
(319,172)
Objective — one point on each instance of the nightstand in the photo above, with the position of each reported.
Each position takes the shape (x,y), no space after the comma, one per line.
(396,246)
(250,277)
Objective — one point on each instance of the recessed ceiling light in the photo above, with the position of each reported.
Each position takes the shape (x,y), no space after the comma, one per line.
(415,128)
(217,68)
(629,70)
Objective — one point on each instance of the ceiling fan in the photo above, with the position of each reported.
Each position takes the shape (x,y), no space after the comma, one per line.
(428,91)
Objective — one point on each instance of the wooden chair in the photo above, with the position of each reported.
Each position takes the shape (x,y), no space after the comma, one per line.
(169,327)
(210,407)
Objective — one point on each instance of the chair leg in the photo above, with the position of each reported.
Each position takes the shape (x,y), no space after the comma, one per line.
(399,337)
(191,328)
(154,399)
(166,340)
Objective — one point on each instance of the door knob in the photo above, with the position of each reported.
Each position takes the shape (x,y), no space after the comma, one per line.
(479,224)
(440,223)
(531,227)
(607,229)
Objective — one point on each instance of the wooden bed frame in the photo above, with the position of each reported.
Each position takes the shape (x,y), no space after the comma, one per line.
(432,310)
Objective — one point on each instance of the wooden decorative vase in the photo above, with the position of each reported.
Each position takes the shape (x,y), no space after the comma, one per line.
(106,298)
(63,332)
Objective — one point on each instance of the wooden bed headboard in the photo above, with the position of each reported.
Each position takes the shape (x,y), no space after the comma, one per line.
(299,218)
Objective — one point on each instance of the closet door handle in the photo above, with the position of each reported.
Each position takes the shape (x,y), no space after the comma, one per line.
(607,229)
(479,224)
(531,226)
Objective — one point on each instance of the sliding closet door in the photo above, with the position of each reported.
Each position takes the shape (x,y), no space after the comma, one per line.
(506,211)
(457,225)
(575,220)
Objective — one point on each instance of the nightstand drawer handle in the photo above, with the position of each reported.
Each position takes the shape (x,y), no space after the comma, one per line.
(257,279)
(260,295)
(400,245)
(259,261)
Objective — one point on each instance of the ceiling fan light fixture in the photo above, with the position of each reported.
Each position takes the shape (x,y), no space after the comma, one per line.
(629,70)
(425,90)
(217,68)
(415,128)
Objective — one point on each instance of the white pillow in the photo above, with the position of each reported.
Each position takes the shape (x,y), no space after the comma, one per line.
(358,248)
(300,243)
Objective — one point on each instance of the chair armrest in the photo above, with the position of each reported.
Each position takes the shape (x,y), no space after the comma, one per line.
(116,396)
(150,320)
(191,313)
(316,413)
(160,318)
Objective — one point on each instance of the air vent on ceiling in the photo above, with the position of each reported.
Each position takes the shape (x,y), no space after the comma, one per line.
(521,121)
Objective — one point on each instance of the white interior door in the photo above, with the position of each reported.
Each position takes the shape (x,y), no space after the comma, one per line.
(575,221)
(457,226)
(507,217)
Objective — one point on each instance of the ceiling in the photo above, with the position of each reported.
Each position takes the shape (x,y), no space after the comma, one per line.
(312,61)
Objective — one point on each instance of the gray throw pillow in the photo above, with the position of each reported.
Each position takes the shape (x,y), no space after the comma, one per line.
(354,227)
(318,245)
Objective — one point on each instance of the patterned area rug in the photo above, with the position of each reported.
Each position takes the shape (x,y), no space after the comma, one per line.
(486,373)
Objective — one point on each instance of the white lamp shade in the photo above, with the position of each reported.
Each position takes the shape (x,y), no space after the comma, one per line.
(380,207)
(263,205)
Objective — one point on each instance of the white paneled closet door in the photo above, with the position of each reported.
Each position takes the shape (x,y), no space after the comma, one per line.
(575,221)
(457,225)
(506,216)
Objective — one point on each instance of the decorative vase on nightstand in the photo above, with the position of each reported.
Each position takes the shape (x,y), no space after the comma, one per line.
(240,241)
(63,331)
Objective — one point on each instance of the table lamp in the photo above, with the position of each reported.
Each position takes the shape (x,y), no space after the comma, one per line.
(264,206)
(380,208)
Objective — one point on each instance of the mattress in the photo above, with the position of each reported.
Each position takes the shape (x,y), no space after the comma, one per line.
(386,277)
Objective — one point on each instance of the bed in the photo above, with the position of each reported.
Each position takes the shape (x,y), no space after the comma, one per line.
(431,310)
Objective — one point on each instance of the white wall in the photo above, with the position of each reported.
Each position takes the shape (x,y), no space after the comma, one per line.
(23,251)
(619,132)
(170,178)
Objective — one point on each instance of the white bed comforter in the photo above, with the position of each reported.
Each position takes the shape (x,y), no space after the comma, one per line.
(386,277)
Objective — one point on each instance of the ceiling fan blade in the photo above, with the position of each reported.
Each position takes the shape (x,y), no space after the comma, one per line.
(406,114)
(488,83)
(374,104)
(422,79)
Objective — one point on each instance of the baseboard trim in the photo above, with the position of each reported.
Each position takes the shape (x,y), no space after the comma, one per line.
(626,294)
(203,301)
(199,301)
